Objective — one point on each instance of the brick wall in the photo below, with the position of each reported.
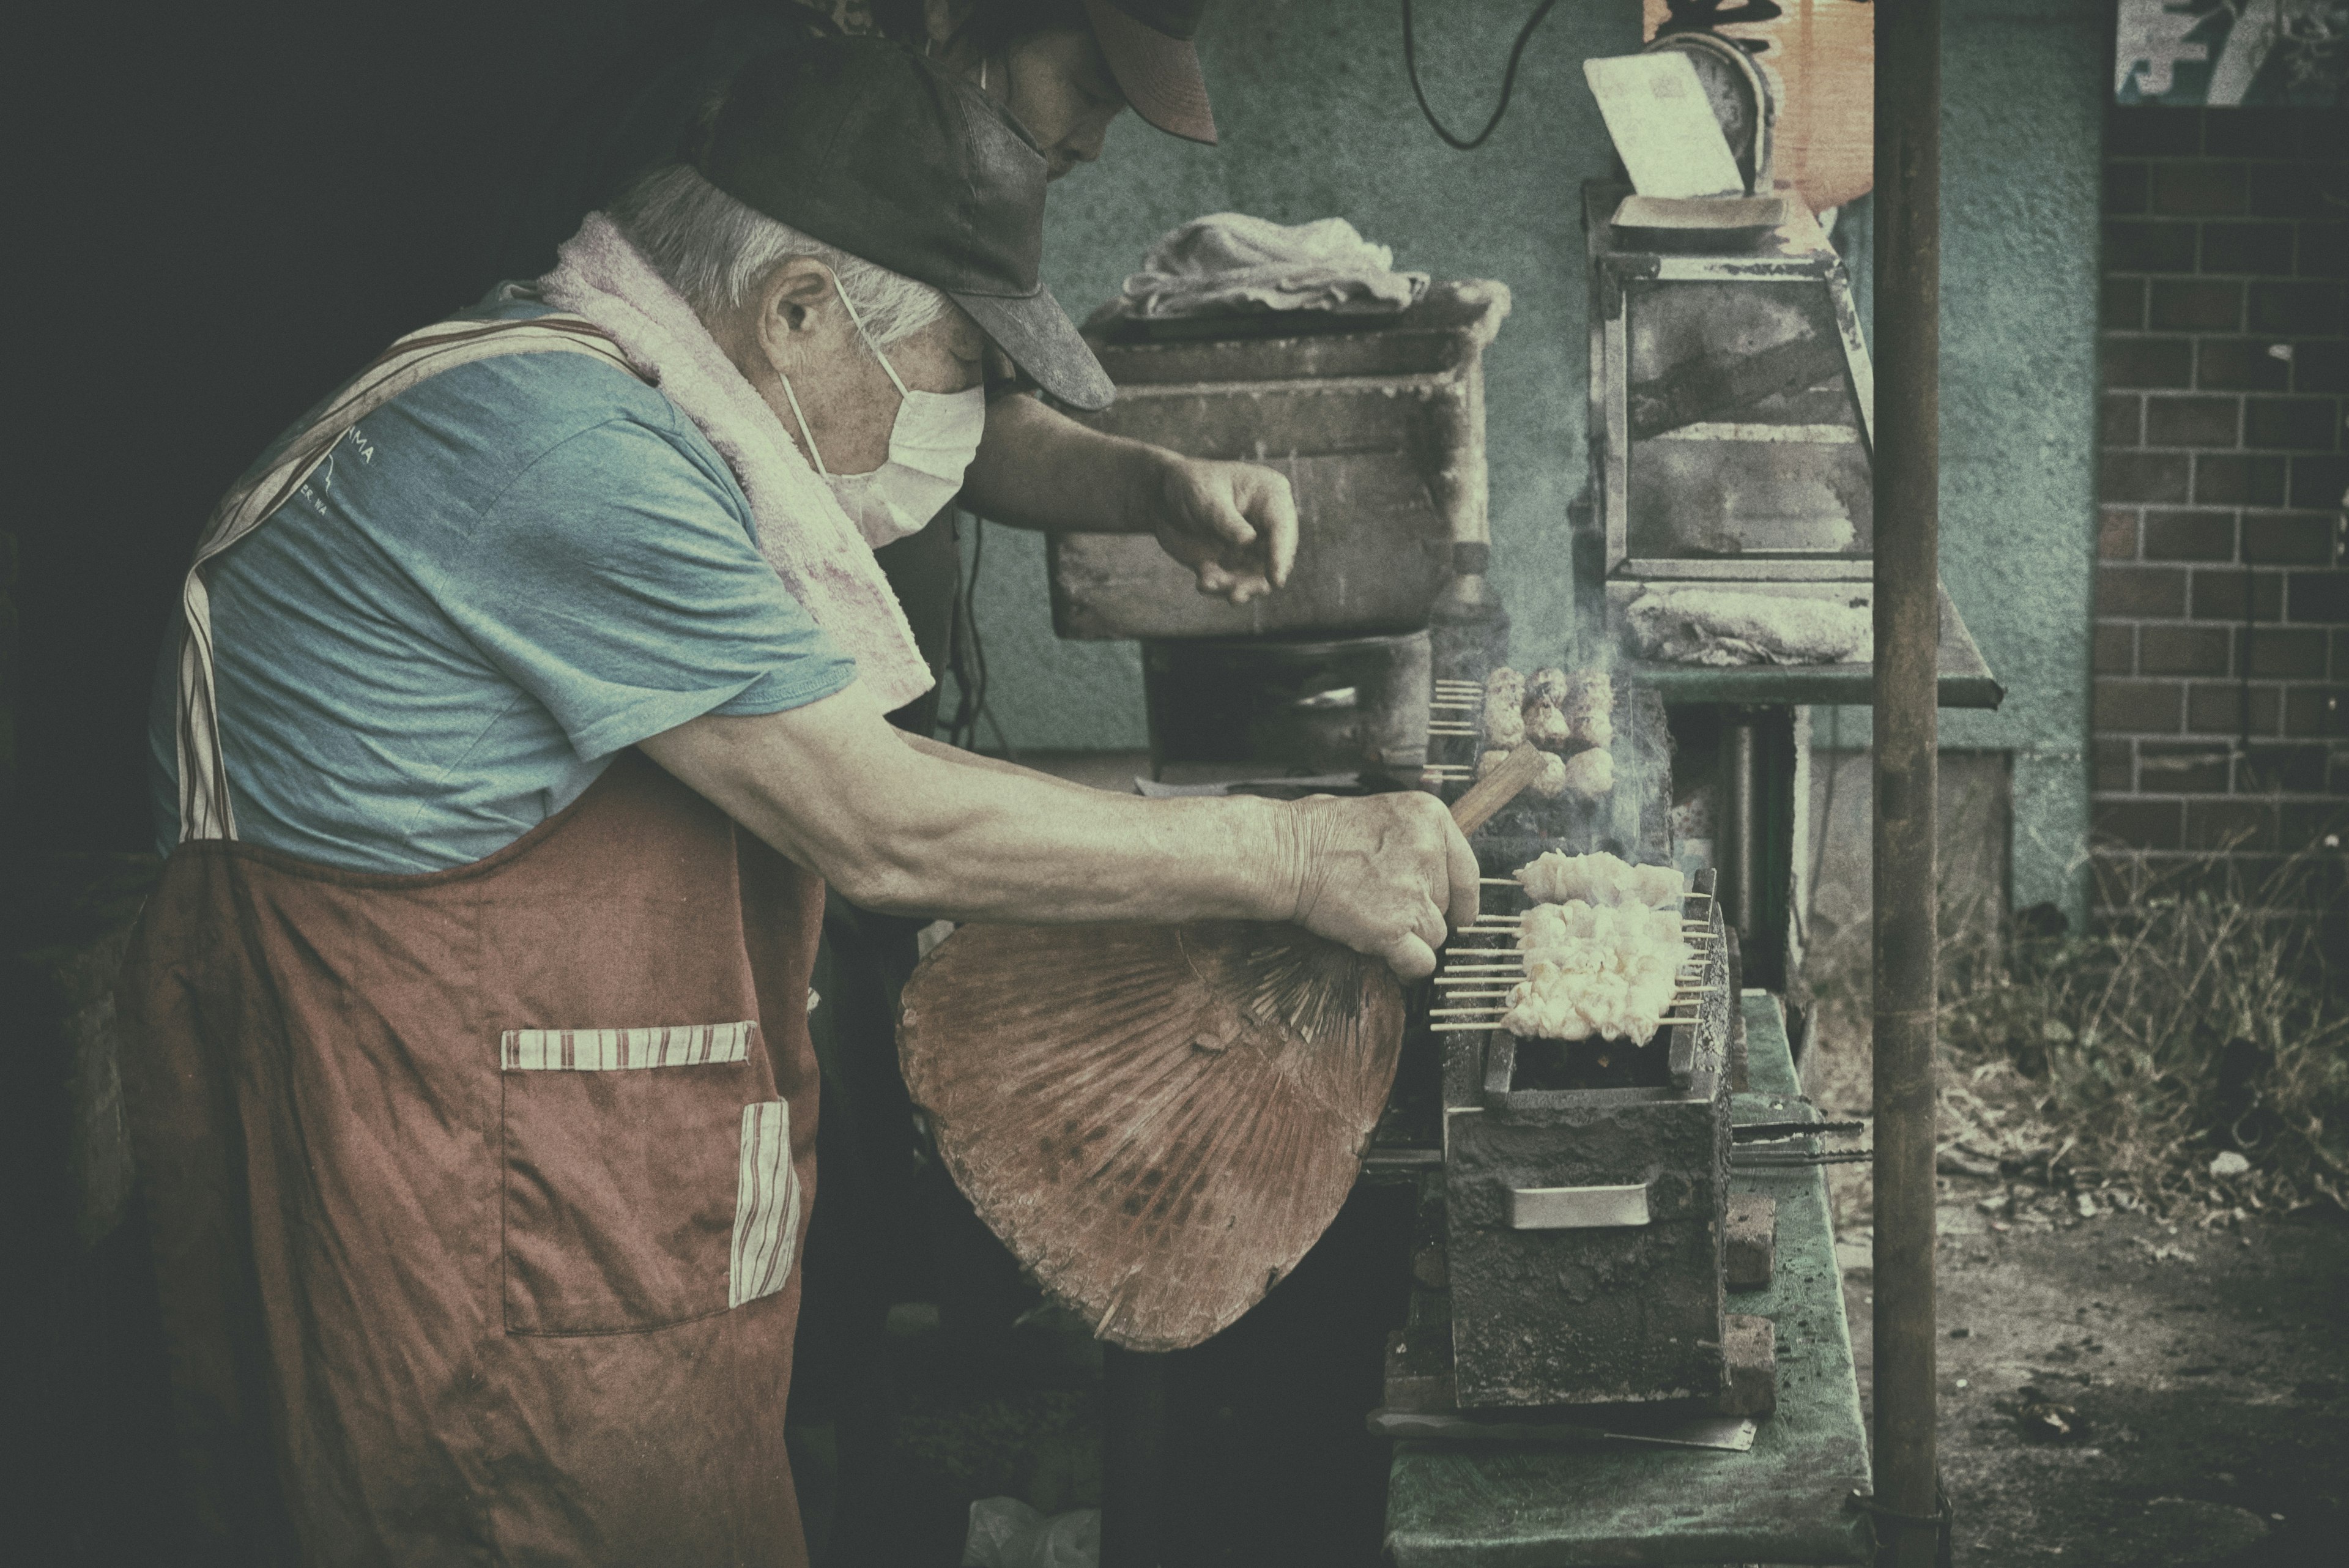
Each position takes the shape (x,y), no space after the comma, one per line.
(2222,605)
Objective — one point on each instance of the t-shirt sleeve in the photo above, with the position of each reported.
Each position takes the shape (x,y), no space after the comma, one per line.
(615,581)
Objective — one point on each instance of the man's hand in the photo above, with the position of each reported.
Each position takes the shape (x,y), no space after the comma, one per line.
(1381,874)
(1233,524)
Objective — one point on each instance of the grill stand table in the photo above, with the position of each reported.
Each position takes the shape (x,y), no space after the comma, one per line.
(1786,1500)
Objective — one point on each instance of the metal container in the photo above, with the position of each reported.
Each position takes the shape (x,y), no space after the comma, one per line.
(1377,422)
(1299,705)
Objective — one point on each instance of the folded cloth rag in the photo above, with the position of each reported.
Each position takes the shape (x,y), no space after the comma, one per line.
(1721,626)
(803,532)
(1229,263)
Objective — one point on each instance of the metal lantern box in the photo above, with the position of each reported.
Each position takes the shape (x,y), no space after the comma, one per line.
(1732,403)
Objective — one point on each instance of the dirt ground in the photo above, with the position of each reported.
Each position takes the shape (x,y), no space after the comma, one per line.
(2118,1391)
(2115,1393)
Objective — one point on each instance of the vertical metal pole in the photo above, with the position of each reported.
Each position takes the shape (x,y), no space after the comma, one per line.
(1907,635)
(1737,836)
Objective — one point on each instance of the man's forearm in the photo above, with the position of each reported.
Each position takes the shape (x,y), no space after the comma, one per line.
(960,758)
(897,826)
(908,827)
(1037,468)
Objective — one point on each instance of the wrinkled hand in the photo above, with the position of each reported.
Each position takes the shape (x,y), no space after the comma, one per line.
(1234,524)
(1382,874)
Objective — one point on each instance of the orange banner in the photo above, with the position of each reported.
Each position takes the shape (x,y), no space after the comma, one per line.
(1820,58)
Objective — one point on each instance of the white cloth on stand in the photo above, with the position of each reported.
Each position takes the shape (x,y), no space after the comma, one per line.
(1725,627)
(1229,263)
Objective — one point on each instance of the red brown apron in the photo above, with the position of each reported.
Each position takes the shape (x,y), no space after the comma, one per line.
(476,1195)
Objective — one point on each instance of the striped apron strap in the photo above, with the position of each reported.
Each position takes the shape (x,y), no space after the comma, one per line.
(205,811)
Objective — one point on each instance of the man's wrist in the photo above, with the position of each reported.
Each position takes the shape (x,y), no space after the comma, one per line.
(1147,470)
(1283,832)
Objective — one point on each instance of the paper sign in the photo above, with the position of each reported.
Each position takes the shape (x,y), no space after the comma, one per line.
(1662,126)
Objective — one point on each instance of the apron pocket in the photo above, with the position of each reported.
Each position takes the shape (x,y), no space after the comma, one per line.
(647,1177)
(766,1206)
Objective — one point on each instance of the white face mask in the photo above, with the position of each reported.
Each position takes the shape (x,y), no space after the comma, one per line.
(931,442)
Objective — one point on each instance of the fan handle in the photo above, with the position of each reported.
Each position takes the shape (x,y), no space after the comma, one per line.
(1496,789)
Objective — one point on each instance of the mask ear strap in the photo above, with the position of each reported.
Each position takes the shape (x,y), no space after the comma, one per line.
(861,332)
(804,432)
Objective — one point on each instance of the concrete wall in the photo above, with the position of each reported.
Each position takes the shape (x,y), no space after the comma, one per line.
(1318,119)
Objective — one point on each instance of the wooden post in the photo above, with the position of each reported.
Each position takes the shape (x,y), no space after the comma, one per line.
(1908,631)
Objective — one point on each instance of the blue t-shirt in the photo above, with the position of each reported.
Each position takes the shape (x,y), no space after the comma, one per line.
(495,582)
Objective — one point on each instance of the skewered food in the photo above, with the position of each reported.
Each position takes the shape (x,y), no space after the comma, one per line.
(1609,971)
(1601,879)
(1504,721)
(1587,692)
(1609,924)
(1568,716)
(1549,782)
(1588,773)
(1552,780)
(1553,1003)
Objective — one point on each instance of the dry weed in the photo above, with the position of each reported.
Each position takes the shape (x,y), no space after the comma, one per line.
(2193,1051)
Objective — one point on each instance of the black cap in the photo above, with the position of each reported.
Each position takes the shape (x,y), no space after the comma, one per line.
(1149,48)
(892,159)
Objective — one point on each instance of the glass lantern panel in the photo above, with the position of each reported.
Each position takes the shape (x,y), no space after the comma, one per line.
(1745,439)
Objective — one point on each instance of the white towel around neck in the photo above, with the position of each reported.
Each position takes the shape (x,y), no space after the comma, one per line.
(801,530)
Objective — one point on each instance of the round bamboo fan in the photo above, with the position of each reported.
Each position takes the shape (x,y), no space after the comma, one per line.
(1158,1120)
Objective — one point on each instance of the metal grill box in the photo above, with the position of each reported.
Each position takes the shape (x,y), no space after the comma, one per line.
(1585,1227)
(1379,423)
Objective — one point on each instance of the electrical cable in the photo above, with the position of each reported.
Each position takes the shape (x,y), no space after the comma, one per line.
(962,724)
(1508,78)
(967,661)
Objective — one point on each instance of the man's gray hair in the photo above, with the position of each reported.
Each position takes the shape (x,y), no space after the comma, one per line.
(714,250)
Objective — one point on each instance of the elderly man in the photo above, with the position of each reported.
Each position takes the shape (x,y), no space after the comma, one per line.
(1065,70)
(530,691)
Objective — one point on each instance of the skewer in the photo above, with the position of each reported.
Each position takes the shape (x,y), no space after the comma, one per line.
(1466,1026)
(1494,1023)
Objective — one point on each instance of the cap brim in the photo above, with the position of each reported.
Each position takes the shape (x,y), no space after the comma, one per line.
(1159,74)
(1043,341)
